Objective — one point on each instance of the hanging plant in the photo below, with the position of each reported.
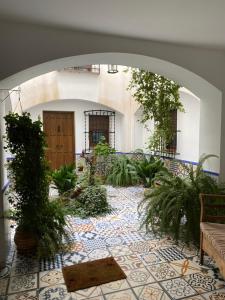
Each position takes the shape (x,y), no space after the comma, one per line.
(158,97)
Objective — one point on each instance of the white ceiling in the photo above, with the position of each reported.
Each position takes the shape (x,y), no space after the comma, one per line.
(194,22)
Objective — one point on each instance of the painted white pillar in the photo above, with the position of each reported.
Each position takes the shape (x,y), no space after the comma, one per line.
(210,132)
(3,222)
(222,144)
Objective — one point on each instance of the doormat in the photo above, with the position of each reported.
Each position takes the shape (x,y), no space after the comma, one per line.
(88,274)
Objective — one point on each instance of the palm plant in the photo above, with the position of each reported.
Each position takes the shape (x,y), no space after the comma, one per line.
(123,173)
(173,207)
(64,178)
(148,168)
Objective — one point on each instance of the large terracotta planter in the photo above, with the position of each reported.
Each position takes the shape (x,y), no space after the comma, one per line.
(26,242)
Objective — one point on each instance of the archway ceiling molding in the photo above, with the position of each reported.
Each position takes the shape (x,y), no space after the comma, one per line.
(199,86)
(26,45)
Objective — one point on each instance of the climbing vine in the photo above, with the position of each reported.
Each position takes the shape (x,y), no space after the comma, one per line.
(158,97)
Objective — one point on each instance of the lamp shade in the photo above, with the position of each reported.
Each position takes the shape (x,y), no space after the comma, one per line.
(112,69)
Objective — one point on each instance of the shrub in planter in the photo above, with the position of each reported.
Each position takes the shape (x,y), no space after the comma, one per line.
(64,178)
(91,202)
(36,218)
(103,148)
(103,156)
(173,207)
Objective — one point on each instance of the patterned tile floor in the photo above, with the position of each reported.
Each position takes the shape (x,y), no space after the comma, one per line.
(155,268)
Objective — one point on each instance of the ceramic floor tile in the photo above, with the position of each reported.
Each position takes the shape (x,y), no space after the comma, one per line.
(138,277)
(195,297)
(86,293)
(25,266)
(55,262)
(148,236)
(132,237)
(94,298)
(80,221)
(171,253)
(83,228)
(151,258)
(74,258)
(186,267)
(189,251)
(154,265)
(5,272)
(27,295)
(58,292)
(162,271)
(178,288)
(151,292)
(3,286)
(103,226)
(98,254)
(114,286)
(215,295)
(94,244)
(88,236)
(22,283)
(122,295)
(204,283)
(52,277)
(76,247)
(142,247)
(129,262)
(120,250)
(114,241)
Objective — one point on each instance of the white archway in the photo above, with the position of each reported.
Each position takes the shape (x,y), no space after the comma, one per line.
(211,97)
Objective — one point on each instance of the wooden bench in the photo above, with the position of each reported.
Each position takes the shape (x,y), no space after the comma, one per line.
(212,229)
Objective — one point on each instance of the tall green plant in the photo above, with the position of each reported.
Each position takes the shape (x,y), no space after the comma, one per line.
(30,182)
(123,173)
(158,97)
(173,207)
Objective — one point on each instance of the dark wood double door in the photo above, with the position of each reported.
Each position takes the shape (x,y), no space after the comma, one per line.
(59,131)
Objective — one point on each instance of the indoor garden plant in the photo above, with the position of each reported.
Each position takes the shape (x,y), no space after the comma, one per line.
(64,178)
(158,97)
(172,207)
(40,223)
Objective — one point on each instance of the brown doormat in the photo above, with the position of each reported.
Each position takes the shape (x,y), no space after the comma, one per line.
(88,274)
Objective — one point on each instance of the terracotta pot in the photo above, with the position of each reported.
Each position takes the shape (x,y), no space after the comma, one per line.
(26,242)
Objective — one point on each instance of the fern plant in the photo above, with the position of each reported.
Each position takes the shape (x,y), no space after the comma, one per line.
(123,173)
(173,207)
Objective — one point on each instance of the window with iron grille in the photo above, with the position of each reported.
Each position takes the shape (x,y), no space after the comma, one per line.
(98,124)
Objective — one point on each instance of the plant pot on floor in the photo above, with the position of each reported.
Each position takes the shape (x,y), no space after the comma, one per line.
(26,242)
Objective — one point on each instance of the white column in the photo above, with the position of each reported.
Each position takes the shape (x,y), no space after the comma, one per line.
(222,144)
(3,222)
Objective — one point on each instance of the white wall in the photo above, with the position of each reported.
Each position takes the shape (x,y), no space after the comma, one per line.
(79,106)
(188,124)
(111,90)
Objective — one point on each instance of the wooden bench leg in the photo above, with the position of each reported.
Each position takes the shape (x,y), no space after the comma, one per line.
(201,250)
(201,257)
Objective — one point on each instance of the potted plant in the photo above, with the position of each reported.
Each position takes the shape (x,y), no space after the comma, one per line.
(40,223)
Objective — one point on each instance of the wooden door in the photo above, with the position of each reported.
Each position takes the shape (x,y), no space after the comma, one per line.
(59,130)
(98,127)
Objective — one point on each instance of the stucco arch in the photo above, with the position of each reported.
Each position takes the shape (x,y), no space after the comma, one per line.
(211,97)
